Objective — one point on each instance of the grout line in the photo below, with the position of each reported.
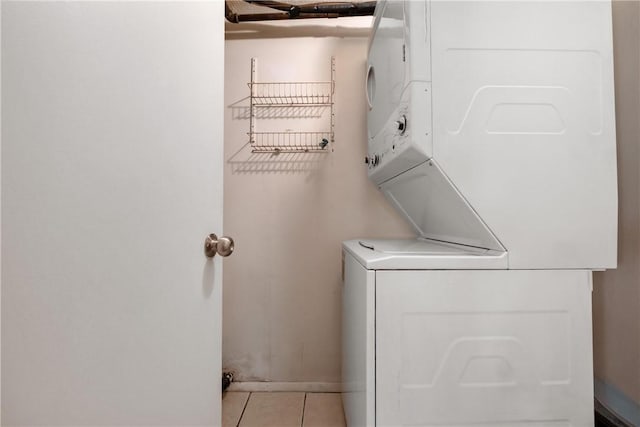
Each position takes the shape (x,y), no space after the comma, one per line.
(304,406)
(244,408)
(302,387)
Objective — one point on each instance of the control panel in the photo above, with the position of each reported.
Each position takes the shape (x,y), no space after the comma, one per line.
(404,140)
(399,128)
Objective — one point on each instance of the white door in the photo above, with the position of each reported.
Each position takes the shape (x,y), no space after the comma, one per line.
(111,180)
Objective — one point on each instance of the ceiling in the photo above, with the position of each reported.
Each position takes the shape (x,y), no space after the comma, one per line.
(267,10)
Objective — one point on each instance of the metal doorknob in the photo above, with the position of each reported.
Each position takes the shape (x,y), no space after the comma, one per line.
(222,246)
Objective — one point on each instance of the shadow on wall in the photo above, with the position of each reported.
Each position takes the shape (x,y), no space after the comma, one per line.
(240,110)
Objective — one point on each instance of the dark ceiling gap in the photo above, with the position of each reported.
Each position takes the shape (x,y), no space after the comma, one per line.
(268,10)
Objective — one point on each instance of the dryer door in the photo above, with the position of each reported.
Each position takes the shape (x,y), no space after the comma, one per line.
(399,90)
(386,71)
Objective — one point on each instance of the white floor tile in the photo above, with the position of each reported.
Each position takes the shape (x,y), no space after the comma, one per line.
(276,409)
(323,410)
(233,403)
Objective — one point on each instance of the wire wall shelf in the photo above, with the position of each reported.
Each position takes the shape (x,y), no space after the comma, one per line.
(292,94)
(291,100)
(291,142)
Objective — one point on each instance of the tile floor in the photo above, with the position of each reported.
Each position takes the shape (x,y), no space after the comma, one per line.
(282,409)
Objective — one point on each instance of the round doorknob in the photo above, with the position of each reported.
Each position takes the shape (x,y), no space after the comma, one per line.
(222,246)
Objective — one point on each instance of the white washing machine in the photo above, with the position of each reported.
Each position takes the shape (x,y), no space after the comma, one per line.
(492,130)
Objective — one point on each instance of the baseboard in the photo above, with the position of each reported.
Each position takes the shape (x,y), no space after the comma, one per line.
(307,387)
(614,407)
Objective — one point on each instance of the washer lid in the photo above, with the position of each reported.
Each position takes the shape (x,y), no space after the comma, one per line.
(422,254)
(436,209)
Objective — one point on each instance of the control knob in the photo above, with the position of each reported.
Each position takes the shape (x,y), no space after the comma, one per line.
(401,125)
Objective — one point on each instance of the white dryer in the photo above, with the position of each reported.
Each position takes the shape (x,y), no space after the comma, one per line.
(491,129)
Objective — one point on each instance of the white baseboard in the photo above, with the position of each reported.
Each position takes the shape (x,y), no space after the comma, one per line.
(309,387)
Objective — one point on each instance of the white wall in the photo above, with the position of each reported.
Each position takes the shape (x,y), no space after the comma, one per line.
(616,297)
(289,214)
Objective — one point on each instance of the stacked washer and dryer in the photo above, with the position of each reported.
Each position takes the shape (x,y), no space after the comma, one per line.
(491,129)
